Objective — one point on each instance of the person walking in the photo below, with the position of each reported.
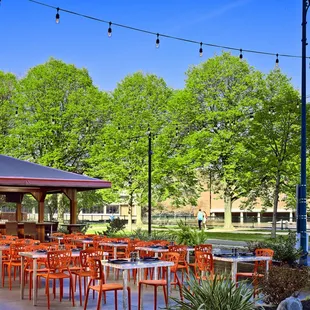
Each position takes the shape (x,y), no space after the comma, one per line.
(200,218)
(205,217)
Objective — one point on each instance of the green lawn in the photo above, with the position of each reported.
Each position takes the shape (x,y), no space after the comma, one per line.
(240,236)
(237,236)
(96,227)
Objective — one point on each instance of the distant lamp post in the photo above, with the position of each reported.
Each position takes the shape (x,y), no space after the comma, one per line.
(149,207)
(302,188)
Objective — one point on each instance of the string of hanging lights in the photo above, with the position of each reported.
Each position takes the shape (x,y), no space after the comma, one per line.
(157,42)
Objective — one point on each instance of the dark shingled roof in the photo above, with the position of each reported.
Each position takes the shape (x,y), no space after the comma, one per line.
(19,173)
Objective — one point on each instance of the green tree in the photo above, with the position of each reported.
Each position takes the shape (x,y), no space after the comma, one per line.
(216,105)
(8,84)
(272,152)
(59,114)
(137,110)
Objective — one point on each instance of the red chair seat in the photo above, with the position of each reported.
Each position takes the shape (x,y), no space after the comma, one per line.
(106,287)
(154,282)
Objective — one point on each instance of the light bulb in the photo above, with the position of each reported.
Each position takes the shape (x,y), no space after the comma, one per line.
(110,30)
(157,41)
(277,61)
(200,50)
(57,16)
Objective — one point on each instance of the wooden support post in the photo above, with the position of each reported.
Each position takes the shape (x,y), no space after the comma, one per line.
(71,193)
(18,216)
(40,197)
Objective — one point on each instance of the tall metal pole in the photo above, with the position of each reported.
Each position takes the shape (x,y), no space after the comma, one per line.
(302,201)
(150,184)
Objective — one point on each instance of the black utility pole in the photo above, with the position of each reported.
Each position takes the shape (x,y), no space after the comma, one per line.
(302,193)
(150,184)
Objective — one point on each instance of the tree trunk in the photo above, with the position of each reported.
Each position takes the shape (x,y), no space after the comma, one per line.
(275,207)
(60,208)
(227,213)
(138,216)
(130,204)
(129,226)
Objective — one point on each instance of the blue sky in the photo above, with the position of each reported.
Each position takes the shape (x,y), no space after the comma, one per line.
(30,35)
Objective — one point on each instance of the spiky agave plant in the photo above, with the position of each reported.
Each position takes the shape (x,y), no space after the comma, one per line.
(221,293)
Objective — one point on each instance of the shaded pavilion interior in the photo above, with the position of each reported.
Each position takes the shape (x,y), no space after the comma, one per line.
(19,177)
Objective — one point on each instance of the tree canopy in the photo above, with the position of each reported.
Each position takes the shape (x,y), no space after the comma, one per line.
(229,120)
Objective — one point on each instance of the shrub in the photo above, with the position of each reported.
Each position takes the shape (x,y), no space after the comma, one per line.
(115,226)
(283,282)
(187,235)
(284,248)
(218,294)
(143,235)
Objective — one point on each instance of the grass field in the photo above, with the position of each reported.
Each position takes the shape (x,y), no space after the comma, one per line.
(234,236)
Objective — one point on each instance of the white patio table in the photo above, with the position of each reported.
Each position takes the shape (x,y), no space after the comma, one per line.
(234,260)
(138,265)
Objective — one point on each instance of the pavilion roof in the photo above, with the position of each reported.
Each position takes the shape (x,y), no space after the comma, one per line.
(22,176)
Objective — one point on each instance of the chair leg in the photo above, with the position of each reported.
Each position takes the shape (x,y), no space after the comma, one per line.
(72,290)
(139,296)
(80,288)
(129,297)
(115,298)
(165,294)
(99,300)
(155,297)
(48,293)
(10,278)
(86,298)
(180,287)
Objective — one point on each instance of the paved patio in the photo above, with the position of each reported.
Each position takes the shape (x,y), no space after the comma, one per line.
(10,300)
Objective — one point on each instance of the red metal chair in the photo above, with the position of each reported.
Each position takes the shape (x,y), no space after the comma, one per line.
(14,261)
(259,267)
(182,265)
(201,248)
(167,256)
(204,266)
(97,274)
(84,271)
(58,266)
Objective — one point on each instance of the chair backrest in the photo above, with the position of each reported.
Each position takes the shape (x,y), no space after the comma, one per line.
(203,263)
(58,234)
(260,266)
(59,260)
(67,239)
(203,248)
(14,251)
(90,253)
(96,270)
(181,249)
(171,257)
(11,228)
(30,228)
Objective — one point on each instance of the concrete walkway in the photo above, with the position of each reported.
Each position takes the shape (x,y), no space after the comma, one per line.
(10,300)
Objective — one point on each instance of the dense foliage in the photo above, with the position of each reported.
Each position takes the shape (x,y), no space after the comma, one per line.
(185,234)
(230,121)
(284,247)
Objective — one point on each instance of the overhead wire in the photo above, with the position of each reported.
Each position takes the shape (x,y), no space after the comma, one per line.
(168,36)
